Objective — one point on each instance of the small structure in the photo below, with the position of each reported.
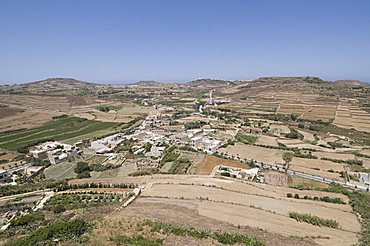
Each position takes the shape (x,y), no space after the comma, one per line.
(364,178)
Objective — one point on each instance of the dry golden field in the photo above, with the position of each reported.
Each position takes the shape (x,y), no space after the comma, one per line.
(352,117)
(257,206)
(254,152)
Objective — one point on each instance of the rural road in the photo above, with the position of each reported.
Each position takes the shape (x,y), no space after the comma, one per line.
(46,197)
(281,168)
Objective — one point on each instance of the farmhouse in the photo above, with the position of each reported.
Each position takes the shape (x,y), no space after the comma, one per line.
(239,173)
(54,152)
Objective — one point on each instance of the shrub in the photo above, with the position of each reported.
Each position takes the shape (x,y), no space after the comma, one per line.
(59,209)
(314,220)
(27,219)
(82,167)
(289,195)
(194,124)
(296,196)
(294,134)
(334,145)
(61,230)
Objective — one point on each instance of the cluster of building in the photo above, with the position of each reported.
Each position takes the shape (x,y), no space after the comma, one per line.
(55,152)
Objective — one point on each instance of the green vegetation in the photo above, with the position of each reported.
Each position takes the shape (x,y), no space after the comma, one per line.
(276,117)
(314,220)
(221,237)
(137,240)
(335,145)
(27,219)
(83,170)
(148,171)
(194,124)
(58,129)
(27,187)
(294,134)
(107,108)
(169,156)
(349,162)
(361,155)
(80,200)
(247,139)
(328,199)
(297,153)
(360,202)
(294,117)
(180,166)
(82,167)
(287,157)
(50,235)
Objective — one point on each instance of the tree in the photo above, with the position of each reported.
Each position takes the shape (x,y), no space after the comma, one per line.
(287,157)
(294,117)
(82,167)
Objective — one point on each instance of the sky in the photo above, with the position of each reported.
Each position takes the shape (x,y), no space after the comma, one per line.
(124,41)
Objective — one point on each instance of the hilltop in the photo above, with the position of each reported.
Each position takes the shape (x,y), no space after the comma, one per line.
(206,82)
(52,85)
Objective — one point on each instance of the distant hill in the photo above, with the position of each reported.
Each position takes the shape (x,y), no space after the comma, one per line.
(350,83)
(209,83)
(146,83)
(54,86)
(60,81)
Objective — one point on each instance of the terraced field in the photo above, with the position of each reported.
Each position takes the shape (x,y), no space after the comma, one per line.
(60,129)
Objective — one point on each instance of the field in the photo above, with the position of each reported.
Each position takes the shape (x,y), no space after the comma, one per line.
(318,167)
(27,119)
(209,162)
(324,113)
(254,152)
(253,205)
(352,117)
(60,129)
(267,140)
(61,171)
(121,113)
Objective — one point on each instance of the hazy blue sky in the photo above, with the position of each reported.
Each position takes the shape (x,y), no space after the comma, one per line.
(173,40)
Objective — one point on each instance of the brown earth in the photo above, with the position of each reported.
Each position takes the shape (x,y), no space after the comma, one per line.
(209,162)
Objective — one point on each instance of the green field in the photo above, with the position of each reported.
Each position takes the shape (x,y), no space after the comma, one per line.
(58,129)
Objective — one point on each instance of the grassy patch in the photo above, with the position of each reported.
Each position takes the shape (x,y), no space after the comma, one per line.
(247,139)
(180,166)
(27,219)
